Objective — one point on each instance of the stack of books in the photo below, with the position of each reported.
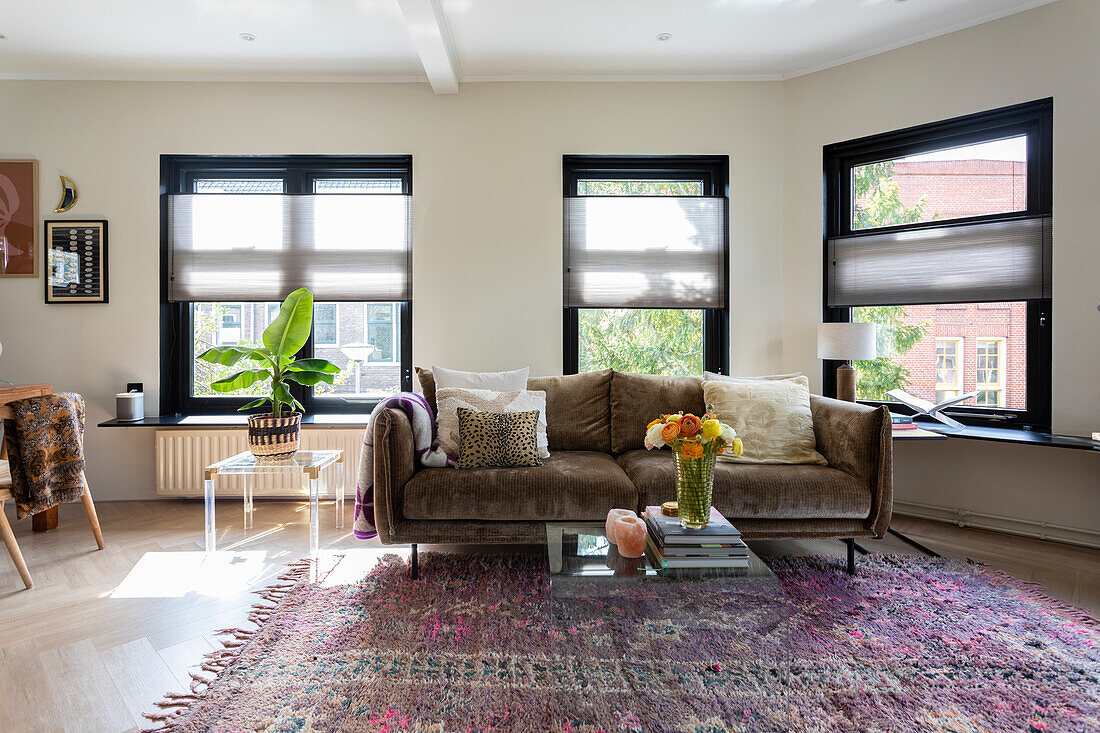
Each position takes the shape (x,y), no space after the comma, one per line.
(670,546)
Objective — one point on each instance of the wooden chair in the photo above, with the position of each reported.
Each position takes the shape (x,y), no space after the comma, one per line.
(5,493)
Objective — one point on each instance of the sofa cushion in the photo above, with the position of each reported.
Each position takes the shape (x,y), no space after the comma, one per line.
(744,491)
(569,485)
(636,399)
(578,410)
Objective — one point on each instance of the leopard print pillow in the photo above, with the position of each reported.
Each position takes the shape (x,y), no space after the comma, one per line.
(497,440)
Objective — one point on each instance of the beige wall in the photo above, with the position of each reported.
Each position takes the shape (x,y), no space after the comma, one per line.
(487,212)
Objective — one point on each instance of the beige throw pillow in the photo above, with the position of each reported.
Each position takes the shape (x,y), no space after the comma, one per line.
(772,419)
(448,400)
(715,377)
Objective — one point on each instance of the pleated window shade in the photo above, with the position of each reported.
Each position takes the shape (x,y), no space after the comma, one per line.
(994,261)
(256,247)
(645,251)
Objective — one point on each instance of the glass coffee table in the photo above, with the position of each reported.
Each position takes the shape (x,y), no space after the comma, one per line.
(583,563)
(306,466)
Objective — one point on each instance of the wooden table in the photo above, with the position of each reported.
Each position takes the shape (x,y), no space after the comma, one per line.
(47,520)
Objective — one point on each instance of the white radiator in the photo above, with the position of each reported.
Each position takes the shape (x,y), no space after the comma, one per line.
(181,456)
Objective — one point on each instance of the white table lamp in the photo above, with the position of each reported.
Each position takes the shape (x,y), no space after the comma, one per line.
(846,342)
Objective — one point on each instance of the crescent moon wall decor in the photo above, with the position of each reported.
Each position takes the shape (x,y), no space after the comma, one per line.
(68,195)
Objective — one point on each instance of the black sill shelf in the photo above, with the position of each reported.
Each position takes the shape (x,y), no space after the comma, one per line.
(1014,435)
(331,420)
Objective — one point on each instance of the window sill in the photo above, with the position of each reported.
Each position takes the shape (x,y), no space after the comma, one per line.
(1014,435)
(317,420)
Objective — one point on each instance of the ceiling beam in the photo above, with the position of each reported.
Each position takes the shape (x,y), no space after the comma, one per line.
(432,37)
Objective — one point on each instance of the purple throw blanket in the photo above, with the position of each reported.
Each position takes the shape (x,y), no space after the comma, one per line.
(423,427)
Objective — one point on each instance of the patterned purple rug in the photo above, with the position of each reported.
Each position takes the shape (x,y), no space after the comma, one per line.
(476,645)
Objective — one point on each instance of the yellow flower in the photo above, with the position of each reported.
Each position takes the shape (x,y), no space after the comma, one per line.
(738,447)
(710,430)
(652,423)
(673,418)
(691,449)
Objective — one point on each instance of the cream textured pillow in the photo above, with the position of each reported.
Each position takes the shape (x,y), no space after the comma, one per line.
(483,400)
(715,377)
(772,419)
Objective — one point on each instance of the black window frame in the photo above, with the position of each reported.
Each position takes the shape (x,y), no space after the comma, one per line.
(178,174)
(1033,119)
(713,172)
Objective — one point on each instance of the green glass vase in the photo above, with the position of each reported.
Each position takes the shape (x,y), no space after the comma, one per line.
(694,489)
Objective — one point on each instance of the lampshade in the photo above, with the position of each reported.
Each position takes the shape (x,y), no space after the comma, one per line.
(846,341)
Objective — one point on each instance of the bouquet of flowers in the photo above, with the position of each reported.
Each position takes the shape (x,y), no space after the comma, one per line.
(692,436)
(695,442)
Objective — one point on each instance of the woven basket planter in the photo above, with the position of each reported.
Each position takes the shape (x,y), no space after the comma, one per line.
(273,439)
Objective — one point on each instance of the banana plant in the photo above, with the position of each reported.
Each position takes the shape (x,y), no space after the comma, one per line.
(275,361)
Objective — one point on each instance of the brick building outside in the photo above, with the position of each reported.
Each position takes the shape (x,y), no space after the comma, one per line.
(976,346)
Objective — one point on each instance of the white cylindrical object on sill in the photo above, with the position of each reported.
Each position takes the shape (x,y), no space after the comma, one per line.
(130,406)
(846,341)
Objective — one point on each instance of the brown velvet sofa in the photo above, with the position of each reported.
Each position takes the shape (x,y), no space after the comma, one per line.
(595,427)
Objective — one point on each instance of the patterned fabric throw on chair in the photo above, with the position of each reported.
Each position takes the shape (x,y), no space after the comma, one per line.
(46,451)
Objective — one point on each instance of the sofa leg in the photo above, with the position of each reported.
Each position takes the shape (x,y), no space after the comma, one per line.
(851,543)
(414,565)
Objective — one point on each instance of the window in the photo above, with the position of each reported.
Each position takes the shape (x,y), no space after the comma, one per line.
(916,344)
(241,233)
(948,369)
(953,183)
(382,331)
(990,375)
(646,252)
(325,324)
(942,236)
(229,329)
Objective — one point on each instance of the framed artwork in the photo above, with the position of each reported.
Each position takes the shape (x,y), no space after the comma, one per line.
(18,218)
(76,261)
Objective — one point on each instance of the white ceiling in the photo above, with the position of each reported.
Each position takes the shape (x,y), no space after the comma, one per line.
(483,40)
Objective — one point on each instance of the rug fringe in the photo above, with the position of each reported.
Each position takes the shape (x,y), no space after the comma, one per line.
(1038,592)
(176,704)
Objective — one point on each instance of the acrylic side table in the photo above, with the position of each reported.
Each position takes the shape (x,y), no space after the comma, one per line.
(307,464)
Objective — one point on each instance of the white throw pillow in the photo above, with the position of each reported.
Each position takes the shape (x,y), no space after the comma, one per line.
(772,419)
(496,381)
(483,400)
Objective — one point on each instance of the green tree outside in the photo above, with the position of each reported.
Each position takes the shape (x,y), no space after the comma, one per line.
(647,341)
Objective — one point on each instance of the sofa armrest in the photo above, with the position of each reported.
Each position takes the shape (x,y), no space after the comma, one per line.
(394,465)
(858,440)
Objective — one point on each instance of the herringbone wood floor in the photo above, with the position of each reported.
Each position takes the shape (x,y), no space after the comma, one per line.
(104,634)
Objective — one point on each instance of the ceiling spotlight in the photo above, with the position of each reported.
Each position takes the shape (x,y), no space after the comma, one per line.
(664,36)
(246,37)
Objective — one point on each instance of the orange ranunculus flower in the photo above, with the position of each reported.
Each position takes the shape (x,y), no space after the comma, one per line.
(690,426)
(669,432)
(691,449)
(652,423)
